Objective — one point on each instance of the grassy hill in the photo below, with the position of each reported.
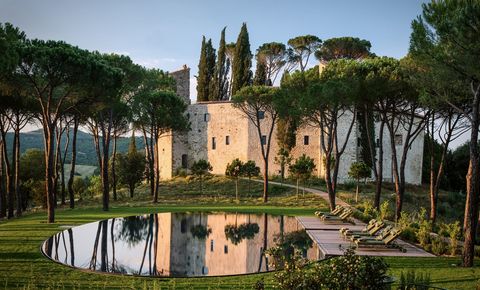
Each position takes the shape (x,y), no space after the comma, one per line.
(85,148)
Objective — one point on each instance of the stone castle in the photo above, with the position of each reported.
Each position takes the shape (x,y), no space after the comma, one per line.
(220,133)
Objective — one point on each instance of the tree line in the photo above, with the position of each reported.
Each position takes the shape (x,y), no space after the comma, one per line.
(63,87)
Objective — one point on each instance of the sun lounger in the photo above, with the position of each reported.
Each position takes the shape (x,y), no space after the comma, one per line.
(387,242)
(380,235)
(343,217)
(369,232)
(368,227)
(336,211)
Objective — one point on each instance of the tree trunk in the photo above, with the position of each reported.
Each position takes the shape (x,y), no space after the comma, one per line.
(297,187)
(16,161)
(236,188)
(10,179)
(63,157)
(356,192)
(3,198)
(379,181)
(472,178)
(265,180)
(49,170)
(131,189)
(328,181)
(156,173)
(114,175)
(74,160)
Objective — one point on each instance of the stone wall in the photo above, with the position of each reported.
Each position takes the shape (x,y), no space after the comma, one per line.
(220,119)
(182,77)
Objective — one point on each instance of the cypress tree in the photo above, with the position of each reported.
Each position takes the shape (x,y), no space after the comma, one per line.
(242,61)
(206,68)
(260,78)
(202,78)
(210,62)
(221,71)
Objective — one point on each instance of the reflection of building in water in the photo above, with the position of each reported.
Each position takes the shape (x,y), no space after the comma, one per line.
(179,252)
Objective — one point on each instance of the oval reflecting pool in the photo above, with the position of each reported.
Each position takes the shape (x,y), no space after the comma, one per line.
(175,244)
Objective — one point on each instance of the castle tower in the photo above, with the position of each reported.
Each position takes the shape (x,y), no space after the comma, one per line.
(173,146)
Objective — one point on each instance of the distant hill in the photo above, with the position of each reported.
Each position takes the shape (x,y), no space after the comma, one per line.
(86,154)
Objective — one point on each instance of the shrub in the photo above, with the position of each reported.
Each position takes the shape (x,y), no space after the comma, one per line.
(439,247)
(425,227)
(384,210)
(79,186)
(412,281)
(477,251)
(452,231)
(352,272)
(409,234)
(94,186)
(345,272)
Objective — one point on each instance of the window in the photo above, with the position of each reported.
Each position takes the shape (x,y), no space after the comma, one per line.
(398,139)
(227,140)
(225,249)
(184,161)
(264,139)
(211,245)
(183,226)
(261,115)
(377,143)
(206,117)
(204,270)
(306,140)
(214,143)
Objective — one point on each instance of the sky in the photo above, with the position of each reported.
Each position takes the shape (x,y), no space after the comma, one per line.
(167,34)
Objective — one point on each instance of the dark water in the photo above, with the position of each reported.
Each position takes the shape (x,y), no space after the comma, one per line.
(174,244)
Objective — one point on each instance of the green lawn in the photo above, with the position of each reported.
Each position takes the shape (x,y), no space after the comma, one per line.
(23,266)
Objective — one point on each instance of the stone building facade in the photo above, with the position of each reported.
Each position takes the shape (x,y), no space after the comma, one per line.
(220,133)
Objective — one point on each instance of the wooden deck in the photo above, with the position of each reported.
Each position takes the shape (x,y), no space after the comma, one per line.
(330,243)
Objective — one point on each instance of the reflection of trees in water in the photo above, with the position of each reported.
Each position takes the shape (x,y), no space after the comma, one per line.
(236,234)
(57,241)
(148,246)
(265,244)
(287,245)
(132,230)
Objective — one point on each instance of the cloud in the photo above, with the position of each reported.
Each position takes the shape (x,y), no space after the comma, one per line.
(158,62)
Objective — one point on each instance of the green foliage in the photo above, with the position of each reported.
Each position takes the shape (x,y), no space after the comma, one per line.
(130,167)
(201,167)
(222,67)
(366,122)
(425,228)
(343,47)
(234,169)
(200,232)
(384,210)
(359,170)
(250,169)
(301,48)
(94,187)
(206,72)
(85,147)
(302,168)
(32,165)
(236,234)
(453,231)
(79,186)
(242,61)
(439,247)
(414,281)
